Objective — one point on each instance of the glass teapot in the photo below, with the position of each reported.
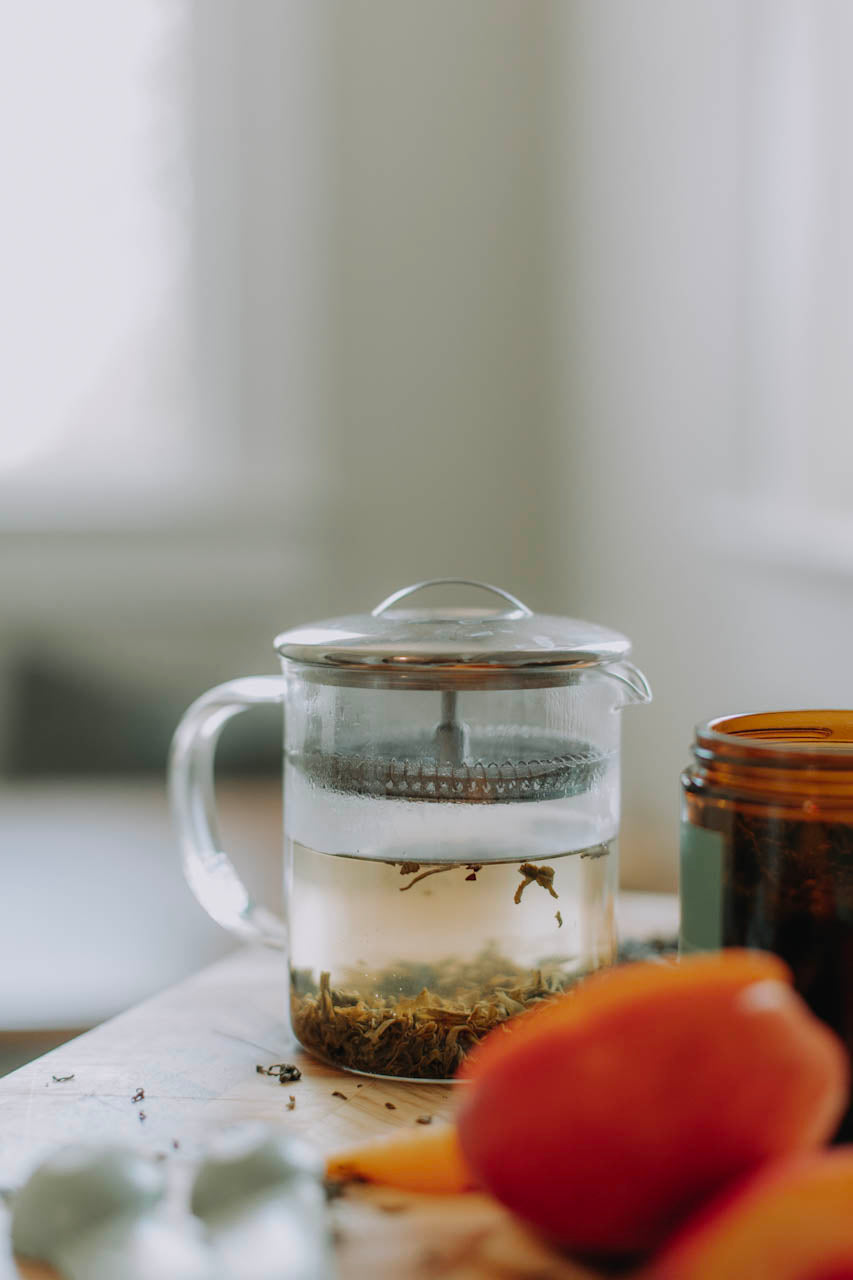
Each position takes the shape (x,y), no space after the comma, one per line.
(451,783)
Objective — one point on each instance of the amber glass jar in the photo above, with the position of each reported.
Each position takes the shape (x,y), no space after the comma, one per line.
(767,849)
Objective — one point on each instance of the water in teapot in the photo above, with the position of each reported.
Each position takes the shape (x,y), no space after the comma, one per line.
(414,929)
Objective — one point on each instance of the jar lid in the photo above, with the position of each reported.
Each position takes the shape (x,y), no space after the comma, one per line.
(444,647)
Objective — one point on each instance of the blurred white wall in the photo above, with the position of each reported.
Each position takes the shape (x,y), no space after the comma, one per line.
(706,327)
(648,154)
(441,356)
(370,289)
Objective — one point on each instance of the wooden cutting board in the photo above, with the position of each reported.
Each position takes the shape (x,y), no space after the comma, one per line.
(194,1050)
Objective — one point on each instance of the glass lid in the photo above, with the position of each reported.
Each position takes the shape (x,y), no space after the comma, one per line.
(447,646)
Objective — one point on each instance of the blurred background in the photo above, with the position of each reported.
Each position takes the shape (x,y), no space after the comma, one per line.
(303,301)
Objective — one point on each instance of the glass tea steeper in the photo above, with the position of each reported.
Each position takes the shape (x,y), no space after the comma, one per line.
(451,810)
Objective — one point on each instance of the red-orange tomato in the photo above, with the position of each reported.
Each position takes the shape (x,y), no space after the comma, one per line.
(607,1116)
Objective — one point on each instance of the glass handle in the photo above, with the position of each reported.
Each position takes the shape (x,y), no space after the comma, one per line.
(209,871)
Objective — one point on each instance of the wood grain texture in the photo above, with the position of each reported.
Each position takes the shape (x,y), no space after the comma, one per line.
(194,1049)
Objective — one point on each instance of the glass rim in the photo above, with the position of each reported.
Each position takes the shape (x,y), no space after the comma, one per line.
(807,735)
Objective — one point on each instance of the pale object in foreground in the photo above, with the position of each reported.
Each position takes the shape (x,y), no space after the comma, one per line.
(258,1213)
(260,1197)
(93,1213)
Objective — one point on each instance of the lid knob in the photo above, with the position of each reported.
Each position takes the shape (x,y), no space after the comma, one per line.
(519,609)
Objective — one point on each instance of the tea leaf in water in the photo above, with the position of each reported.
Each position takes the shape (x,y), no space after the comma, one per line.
(423,1034)
(543,876)
(405,868)
(431,871)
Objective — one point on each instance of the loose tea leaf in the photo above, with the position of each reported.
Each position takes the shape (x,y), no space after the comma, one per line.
(138,1096)
(423,1120)
(435,870)
(284,1072)
(62,1079)
(420,1020)
(432,871)
(558,917)
(389,1106)
(543,876)
(336,1093)
(291,1102)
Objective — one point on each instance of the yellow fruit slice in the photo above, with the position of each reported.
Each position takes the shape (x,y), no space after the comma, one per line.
(424,1159)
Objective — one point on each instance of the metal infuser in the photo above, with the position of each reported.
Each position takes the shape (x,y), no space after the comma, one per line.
(455,763)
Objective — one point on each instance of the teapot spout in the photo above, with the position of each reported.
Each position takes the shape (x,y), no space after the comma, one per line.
(635,686)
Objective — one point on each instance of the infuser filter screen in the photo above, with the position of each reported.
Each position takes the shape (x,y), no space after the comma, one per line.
(501,765)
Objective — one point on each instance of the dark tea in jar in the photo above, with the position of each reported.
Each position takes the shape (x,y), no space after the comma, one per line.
(767,850)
